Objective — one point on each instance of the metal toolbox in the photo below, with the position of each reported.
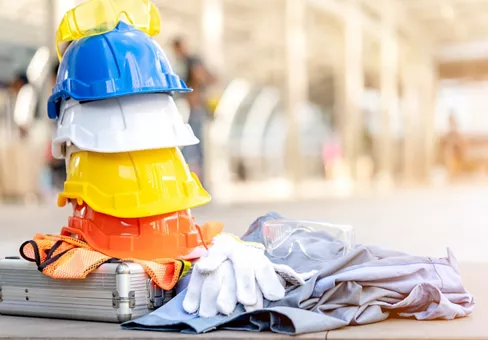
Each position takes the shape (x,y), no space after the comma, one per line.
(115,292)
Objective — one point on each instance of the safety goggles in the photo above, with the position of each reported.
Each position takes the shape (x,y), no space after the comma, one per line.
(101,16)
(315,240)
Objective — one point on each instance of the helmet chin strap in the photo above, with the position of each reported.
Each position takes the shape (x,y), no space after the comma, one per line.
(68,149)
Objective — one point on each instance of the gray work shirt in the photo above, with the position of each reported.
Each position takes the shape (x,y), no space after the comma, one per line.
(367,285)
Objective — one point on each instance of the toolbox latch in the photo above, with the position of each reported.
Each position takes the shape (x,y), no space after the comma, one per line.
(155,295)
(117,299)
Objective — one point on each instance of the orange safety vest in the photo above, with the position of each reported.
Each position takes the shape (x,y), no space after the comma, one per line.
(64,257)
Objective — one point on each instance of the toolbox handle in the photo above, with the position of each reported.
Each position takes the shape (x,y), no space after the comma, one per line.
(114,260)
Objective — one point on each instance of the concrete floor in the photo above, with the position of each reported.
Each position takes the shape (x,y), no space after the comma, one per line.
(422,222)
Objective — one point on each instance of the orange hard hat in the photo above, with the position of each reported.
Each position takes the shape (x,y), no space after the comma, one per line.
(173,235)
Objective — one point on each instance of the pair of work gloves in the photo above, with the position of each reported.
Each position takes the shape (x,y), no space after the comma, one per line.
(234,271)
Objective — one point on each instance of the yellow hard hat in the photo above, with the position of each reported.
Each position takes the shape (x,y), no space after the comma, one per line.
(133,184)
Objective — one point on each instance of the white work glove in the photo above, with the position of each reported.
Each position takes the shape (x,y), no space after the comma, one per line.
(235,272)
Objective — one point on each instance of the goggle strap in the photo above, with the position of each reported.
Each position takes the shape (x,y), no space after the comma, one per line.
(201,235)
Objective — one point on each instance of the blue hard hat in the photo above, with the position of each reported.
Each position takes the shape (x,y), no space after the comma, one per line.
(121,62)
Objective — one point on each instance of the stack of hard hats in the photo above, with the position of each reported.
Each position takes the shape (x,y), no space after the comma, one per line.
(119,130)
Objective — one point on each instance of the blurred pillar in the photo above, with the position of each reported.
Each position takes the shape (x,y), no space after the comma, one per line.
(212,36)
(350,84)
(56,10)
(428,85)
(410,118)
(212,24)
(296,93)
(388,89)
(419,82)
(52,25)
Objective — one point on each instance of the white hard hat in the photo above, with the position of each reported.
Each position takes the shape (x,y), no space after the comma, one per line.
(129,123)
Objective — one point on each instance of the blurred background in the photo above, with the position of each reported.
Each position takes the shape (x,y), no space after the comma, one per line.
(325,102)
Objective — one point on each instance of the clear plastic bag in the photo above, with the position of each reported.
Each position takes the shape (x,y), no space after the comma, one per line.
(316,240)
